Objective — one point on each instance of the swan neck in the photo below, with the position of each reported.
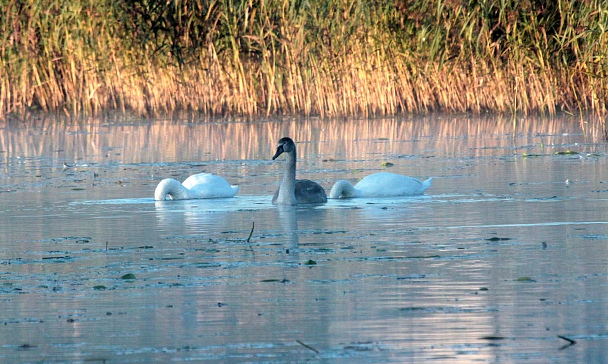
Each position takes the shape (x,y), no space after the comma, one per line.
(290,168)
(288,185)
(342,189)
(172,188)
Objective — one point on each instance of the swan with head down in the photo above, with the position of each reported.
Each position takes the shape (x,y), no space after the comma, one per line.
(381,184)
(293,191)
(201,185)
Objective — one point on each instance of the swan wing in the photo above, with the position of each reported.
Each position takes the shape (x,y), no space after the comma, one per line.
(201,178)
(384,184)
(207,185)
(308,191)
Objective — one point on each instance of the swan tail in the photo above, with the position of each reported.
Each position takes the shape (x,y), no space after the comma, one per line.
(426,184)
(235,190)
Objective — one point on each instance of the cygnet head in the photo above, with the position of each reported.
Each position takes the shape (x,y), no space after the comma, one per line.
(286,145)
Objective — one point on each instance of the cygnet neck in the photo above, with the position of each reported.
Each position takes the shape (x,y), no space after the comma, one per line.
(288,185)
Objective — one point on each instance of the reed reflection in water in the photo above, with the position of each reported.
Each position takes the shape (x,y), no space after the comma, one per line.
(177,141)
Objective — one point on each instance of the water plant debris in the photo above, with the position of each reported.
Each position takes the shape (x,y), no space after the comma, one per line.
(307,346)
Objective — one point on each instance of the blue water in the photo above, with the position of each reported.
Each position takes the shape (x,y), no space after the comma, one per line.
(504,253)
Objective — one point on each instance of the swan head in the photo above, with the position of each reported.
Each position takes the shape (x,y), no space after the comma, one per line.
(343,189)
(286,145)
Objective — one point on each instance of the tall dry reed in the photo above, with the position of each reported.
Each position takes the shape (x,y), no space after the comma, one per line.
(303,57)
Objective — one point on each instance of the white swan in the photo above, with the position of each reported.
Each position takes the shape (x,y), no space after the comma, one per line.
(201,185)
(381,184)
(292,191)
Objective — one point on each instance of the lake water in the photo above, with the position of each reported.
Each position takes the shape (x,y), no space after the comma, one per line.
(505,253)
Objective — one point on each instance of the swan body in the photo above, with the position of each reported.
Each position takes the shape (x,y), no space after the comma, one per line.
(381,184)
(293,191)
(201,185)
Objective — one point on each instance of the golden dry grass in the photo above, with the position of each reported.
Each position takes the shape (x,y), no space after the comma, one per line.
(319,57)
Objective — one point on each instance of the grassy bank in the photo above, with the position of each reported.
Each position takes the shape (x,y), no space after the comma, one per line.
(315,57)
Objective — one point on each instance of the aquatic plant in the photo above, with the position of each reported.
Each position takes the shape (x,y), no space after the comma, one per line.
(317,57)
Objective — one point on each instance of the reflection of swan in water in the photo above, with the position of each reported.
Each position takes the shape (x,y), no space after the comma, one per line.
(311,218)
(292,191)
(198,215)
(201,185)
(289,223)
(381,184)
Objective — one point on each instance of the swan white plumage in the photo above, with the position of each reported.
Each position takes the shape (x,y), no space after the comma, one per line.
(292,191)
(381,184)
(201,185)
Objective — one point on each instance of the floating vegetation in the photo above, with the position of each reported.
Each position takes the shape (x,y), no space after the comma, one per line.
(310,262)
(413,276)
(491,337)
(495,238)
(567,152)
(275,280)
(417,310)
(128,276)
(412,309)
(525,279)
(100,288)
(26,347)
(207,265)
(387,164)
(58,259)
(433,256)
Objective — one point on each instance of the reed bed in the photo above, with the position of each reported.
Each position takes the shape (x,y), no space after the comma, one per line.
(305,57)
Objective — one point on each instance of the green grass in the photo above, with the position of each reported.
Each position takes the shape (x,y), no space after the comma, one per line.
(317,57)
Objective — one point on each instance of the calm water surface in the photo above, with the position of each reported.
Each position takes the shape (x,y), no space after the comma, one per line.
(506,251)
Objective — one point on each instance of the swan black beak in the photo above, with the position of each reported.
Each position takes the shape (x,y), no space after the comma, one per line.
(278,153)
